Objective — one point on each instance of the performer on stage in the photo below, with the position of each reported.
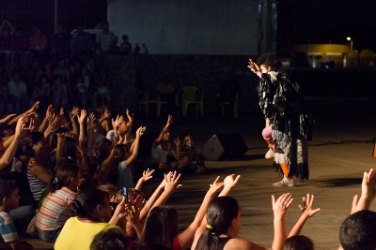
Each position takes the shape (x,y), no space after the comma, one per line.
(285,123)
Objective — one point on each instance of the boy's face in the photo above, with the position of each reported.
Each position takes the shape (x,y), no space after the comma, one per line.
(13,200)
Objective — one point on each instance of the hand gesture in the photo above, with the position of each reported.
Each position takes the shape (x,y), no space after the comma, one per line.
(169,121)
(81,117)
(140,131)
(118,120)
(74,112)
(307,206)
(368,192)
(177,141)
(34,108)
(49,112)
(253,67)
(231,181)
(215,186)
(20,126)
(281,205)
(61,113)
(129,115)
(147,174)
(90,121)
(172,181)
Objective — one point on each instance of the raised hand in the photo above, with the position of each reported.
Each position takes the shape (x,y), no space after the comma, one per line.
(118,120)
(81,117)
(216,185)
(140,131)
(307,206)
(177,141)
(253,67)
(281,205)
(74,112)
(147,174)
(169,121)
(368,192)
(172,181)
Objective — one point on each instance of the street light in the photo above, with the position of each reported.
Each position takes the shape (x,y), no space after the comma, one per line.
(351,42)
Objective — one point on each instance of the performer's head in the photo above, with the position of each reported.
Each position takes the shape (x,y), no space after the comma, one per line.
(269,62)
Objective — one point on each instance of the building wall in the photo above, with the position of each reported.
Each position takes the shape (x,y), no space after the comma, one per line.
(216,27)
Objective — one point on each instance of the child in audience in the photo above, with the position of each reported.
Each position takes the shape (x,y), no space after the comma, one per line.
(93,210)
(190,159)
(55,209)
(161,226)
(224,222)
(9,199)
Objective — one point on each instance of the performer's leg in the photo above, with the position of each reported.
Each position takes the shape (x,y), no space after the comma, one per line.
(267,135)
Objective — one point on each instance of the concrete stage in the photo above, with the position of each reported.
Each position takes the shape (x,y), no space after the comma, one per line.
(338,154)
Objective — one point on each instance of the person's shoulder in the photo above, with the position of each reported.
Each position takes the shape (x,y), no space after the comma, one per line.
(239,244)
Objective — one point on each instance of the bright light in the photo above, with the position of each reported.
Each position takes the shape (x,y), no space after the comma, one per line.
(348,38)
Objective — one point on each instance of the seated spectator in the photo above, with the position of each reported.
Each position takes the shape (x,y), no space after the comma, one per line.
(190,160)
(162,151)
(161,226)
(224,221)
(93,210)
(9,199)
(55,209)
(111,239)
(125,46)
(121,129)
(116,168)
(358,230)
(298,242)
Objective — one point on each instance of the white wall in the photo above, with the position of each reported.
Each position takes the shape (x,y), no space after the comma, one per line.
(215,27)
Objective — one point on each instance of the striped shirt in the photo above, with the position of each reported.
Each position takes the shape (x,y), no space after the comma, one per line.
(55,210)
(8,231)
(37,186)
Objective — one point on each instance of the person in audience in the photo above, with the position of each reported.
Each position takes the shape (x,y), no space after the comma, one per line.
(93,210)
(116,168)
(162,151)
(224,222)
(161,225)
(9,199)
(190,159)
(55,209)
(298,242)
(357,231)
(111,239)
(120,134)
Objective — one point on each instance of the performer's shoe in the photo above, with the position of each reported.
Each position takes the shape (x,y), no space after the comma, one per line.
(288,182)
(269,154)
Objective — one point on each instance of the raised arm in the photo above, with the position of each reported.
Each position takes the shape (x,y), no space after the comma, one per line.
(146,175)
(307,212)
(164,129)
(81,121)
(280,207)
(368,192)
(140,131)
(47,117)
(72,117)
(230,183)
(254,68)
(172,183)
(150,202)
(186,237)
(9,153)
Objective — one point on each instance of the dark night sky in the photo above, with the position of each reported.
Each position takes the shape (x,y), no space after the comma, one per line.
(323,21)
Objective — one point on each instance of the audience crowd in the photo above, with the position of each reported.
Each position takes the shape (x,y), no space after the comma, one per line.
(70,172)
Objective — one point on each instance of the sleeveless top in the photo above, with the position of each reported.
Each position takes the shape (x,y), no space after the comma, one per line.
(222,242)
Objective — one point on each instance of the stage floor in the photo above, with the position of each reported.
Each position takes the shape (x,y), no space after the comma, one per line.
(340,151)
